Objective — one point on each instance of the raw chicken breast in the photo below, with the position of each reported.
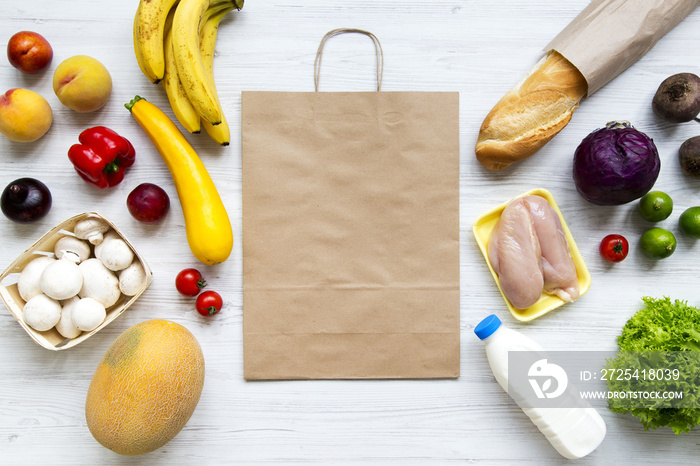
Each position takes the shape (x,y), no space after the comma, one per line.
(558,267)
(529,252)
(514,253)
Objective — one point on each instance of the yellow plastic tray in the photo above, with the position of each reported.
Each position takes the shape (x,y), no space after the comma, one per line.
(482,230)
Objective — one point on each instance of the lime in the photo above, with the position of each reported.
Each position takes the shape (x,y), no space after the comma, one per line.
(655,206)
(657,243)
(689,222)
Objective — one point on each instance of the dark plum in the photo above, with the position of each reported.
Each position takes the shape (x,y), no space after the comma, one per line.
(25,200)
(148,203)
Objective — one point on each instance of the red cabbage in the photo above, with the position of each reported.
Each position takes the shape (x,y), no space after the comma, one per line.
(615,165)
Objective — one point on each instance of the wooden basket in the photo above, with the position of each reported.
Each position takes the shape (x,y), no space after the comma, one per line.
(51,339)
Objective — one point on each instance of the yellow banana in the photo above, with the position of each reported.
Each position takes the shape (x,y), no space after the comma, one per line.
(182,108)
(139,54)
(215,7)
(190,68)
(220,133)
(207,224)
(149,33)
(181,105)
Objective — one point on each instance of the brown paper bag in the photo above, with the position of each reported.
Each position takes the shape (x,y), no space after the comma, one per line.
(350,233)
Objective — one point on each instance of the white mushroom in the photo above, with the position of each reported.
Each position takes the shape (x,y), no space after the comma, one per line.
(132,279)
(65,325)
(62,279)
(41,313)
(72,244)
(91,229)
(99,282)
(114,253)
(87,314)
(28,281)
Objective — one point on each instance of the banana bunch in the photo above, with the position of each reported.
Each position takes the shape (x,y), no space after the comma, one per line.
(174,42)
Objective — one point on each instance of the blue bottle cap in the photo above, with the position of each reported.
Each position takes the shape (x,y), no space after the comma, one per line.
(486,327)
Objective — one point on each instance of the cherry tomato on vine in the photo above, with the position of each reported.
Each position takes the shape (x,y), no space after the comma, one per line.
(190,282)
(209,303)
(614,248)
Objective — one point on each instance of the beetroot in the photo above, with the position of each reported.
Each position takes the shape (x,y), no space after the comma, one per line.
(689,156)
(678,98)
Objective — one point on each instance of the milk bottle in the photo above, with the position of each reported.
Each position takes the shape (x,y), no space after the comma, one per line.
(575,428)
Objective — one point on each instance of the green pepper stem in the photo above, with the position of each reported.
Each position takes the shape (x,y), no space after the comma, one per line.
(129,105)
(112,167)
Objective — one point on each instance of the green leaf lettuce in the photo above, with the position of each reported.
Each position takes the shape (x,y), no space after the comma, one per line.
(671,330)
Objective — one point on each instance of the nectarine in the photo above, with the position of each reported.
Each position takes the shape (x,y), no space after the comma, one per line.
(82,83)
(29,52)
(25,116)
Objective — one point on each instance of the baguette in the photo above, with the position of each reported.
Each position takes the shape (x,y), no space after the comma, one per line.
(531,113)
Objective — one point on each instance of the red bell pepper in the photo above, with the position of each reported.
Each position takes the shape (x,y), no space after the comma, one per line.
(101,157)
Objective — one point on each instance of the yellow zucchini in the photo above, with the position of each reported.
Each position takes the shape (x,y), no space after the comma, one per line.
(207,224)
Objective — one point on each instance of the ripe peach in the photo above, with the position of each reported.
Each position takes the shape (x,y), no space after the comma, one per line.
(25,116)
(29,52)
(82,83)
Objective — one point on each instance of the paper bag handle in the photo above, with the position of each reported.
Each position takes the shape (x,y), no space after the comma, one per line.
(334,32)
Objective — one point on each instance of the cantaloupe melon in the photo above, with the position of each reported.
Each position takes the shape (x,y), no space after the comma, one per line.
(145,388)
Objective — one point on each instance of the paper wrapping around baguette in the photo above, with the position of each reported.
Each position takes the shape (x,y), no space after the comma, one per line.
(608,36)
(531,113)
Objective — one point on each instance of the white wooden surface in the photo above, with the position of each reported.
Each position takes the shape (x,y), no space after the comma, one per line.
(478,48)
